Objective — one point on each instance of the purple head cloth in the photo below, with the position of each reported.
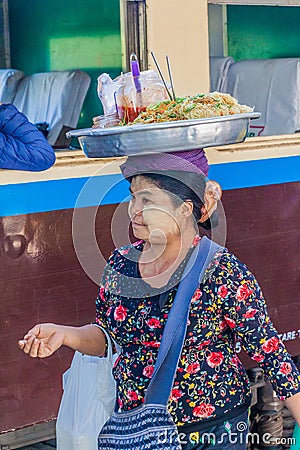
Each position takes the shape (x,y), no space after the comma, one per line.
(183,161)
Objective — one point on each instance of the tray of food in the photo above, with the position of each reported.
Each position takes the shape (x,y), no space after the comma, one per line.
(182,124)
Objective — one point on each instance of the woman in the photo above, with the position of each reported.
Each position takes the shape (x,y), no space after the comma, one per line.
(22,145)
(211,393)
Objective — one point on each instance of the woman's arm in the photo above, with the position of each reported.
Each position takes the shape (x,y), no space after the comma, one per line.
(44,339)
(293,403)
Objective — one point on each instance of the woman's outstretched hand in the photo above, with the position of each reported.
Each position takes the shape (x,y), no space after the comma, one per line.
(42,340)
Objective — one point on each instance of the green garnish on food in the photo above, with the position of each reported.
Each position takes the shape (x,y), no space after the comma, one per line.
(190,108)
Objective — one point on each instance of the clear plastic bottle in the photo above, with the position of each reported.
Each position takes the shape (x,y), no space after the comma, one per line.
(106,121)
(131,101)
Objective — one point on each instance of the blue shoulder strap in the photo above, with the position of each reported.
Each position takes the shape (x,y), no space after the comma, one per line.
(160,386)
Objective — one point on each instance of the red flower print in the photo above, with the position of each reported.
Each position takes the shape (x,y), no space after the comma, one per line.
(203,410)
(235,360)
(258,357)
(223,325)
(243,293)
(148,371)
(285,368)
(124,251)
(153,323)
(196,295)
(175,394)
(132,396)
(120,313)
(270,345)
(102,293)
(223,291)
(250,313)
(137,243)
(193,368)
(230,322)
(196,240)
(151,344)
(203,344)
(214,359)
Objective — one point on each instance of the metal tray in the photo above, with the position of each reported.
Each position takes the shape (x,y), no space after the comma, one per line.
(164,136)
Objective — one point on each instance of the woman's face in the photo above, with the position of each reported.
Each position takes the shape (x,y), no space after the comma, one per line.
(154,217)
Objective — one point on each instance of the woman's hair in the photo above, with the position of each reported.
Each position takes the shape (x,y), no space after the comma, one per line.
(192,188)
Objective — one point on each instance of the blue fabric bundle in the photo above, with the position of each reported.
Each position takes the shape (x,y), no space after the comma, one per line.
(22,145)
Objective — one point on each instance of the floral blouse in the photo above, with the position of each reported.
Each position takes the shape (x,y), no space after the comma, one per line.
(210,380)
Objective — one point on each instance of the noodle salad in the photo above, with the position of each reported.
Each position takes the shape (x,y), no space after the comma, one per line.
(192,107)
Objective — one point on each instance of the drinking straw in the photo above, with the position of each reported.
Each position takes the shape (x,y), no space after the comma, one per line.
(135,70)
(136,74)
(161,75)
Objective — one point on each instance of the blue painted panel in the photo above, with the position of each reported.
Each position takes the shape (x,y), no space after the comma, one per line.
(261,172)
(25,198)
(52,195)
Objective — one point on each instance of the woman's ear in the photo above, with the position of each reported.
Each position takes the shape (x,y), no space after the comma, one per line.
(187,208)
(212,194)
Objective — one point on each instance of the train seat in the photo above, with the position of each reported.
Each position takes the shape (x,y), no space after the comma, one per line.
(273,87)
(218,70)
(9,79)
(55,98)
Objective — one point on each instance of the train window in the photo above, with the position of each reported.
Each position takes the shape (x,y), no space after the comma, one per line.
(255,56)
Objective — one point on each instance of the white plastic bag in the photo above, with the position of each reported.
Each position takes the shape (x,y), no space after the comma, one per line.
(88,401)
